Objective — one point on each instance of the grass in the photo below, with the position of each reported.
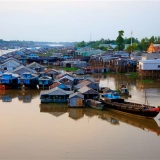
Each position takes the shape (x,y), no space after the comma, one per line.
(147,81)
(133,75)
(70,69)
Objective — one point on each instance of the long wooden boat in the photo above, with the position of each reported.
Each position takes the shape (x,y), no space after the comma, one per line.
(119,104)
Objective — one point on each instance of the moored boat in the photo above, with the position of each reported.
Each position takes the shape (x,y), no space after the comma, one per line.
(119,104)
(123,89)
(94,104)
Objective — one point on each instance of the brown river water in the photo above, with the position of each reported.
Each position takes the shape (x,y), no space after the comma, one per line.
(34,131)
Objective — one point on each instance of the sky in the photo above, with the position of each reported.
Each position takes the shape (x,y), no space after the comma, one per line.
(78,20)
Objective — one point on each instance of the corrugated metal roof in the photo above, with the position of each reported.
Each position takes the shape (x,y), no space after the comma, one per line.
(34,64)
(150,61)
(82,84)
(11,61)
(24,68)
(55,84)
(45,78)
(67,77)
(87,90)
(56,91)
(77,94)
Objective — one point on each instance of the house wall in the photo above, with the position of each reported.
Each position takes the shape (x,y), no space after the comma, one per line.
(76,102)
(9,66)
(149,66)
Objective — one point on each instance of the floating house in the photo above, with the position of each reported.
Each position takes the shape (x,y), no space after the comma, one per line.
(45,81)
(149,68)
(49,72)
(10,80)
(80,72)
(88,92)
(61,86)
(30,80)
(87,83)
(63,75)
(55,95)
(67,80)
(22,69)
(76,100)
(10,65)
(36,66)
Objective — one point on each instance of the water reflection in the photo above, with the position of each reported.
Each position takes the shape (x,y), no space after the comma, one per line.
(76,113)
(23,95)
(110,116)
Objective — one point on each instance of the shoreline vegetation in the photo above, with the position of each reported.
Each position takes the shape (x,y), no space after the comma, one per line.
(132,75)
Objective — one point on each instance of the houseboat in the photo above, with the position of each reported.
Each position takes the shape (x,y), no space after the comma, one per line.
(56,95)
(9,80)
(76,100)
(29,80)
(113,101)
(45,81)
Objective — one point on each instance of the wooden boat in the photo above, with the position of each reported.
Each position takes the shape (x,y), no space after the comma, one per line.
(94,104)
(118,104)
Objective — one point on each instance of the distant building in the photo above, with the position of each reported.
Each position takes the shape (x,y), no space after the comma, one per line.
(153,48)
(149,64)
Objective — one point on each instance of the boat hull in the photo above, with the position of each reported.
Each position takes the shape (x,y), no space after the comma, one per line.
(138,112)
(4,86)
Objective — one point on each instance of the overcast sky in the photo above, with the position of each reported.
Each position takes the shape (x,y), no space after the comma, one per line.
(77,20)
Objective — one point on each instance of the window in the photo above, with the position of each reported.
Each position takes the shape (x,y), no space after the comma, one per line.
(158,66)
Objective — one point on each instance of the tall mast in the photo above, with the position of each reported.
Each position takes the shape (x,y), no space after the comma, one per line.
(131,41)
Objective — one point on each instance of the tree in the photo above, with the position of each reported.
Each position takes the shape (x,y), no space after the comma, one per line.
(152,39)
(81,44)
(145,43)
(132,48)
(120,40)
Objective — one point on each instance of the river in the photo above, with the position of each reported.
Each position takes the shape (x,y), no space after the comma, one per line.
(34,131)
(2,52)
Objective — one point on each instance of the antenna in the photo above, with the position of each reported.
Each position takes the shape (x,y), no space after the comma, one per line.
(131,41)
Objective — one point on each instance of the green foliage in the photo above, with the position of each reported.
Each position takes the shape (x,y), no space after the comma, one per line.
(120,40)
(147,81)
(133,75)
(81,44)
(70,69)
(132,48)
(103,48)
(145,43)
